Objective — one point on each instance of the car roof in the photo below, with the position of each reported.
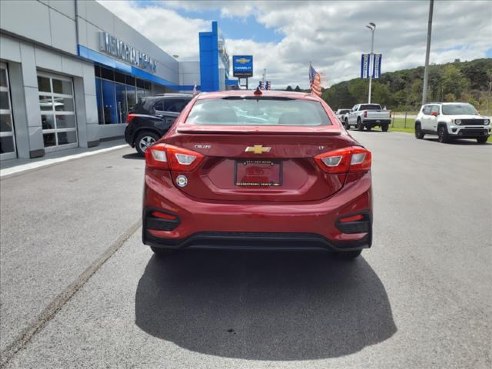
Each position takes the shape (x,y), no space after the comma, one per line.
(250,93)
(173,95)
(446,103)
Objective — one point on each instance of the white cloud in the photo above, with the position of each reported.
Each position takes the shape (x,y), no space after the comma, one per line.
(173,33)
(330,34)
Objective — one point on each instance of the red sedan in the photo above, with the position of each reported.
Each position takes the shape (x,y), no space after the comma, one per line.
(259,170)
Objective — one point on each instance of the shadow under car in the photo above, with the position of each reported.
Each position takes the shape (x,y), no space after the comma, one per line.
(264,305)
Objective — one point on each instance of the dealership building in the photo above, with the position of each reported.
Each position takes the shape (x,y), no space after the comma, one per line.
(70,71)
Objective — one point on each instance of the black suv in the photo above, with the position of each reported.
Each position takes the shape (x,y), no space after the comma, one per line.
(151,118)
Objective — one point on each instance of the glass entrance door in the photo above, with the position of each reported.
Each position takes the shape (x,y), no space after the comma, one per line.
(57,112)
(7,137)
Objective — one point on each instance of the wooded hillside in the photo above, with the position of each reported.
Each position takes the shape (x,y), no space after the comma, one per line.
(402,90)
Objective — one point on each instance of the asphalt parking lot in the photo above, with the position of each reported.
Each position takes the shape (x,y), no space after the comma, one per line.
(73,267)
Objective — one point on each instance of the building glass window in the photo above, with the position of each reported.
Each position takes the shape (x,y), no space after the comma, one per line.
(109,102)
(117,94)
(57,106)
(7,134)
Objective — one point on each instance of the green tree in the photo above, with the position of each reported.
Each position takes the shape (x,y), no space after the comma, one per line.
(478,72)
(358,89)
(381,94)
(453,82)
(289,88)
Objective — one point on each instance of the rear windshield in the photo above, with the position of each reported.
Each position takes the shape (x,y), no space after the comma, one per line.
(370,107)
(239,111)
(459,109)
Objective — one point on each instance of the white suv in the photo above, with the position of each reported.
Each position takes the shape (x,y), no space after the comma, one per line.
(452,120)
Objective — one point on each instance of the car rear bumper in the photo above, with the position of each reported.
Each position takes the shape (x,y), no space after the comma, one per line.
(292,225)
(376,122)
(257,241)
(129,136)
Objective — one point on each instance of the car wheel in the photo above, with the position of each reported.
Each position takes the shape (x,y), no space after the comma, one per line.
(482,140)
(347,255)
(442,134)
(359,126)
(418,132)
(346,124)
(144,140)
(161,252)
(384,127)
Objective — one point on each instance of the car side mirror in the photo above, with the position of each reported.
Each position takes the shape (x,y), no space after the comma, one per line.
(434,114)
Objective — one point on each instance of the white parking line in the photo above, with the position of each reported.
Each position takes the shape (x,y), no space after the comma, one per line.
(44,163)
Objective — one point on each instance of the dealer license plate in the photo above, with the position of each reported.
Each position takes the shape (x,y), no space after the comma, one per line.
(258,173)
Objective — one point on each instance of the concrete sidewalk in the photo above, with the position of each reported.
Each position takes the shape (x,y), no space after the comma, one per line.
(12,166)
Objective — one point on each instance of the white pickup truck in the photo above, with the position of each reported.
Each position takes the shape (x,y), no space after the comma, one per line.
(368,116)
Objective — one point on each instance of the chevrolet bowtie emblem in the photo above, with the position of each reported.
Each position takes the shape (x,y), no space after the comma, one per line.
(242,60)
(257,149)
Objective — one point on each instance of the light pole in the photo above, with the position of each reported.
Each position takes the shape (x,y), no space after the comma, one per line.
(372,27)
(427,53)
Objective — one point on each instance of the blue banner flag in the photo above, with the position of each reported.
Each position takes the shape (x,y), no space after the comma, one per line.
(364,66)
(376,70)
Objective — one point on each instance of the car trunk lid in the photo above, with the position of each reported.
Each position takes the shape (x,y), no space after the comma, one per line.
(259,163)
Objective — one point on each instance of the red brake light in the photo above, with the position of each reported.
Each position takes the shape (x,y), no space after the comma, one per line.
(176,159)
(129,118)
(349,159)
(365,113)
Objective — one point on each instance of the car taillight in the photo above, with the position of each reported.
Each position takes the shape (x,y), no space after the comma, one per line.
(176,159)
(365,113)
(129,118)
(349,159)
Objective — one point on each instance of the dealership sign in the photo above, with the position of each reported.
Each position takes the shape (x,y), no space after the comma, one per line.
(112,46)
(242,66)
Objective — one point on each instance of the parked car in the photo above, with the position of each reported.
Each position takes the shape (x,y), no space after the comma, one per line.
(151,118)
(220,179)
(340,113)
(368,116)
(155,105)
(450,121)
(144,130)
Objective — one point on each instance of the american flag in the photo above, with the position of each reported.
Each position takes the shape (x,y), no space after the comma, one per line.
(314,81)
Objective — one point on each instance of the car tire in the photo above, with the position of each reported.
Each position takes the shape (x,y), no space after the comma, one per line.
(161,252)
(359,125)
(418,132)
(144,140)
(385,127)
(482,140)
(347,255)
(346,125)
(442,134)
